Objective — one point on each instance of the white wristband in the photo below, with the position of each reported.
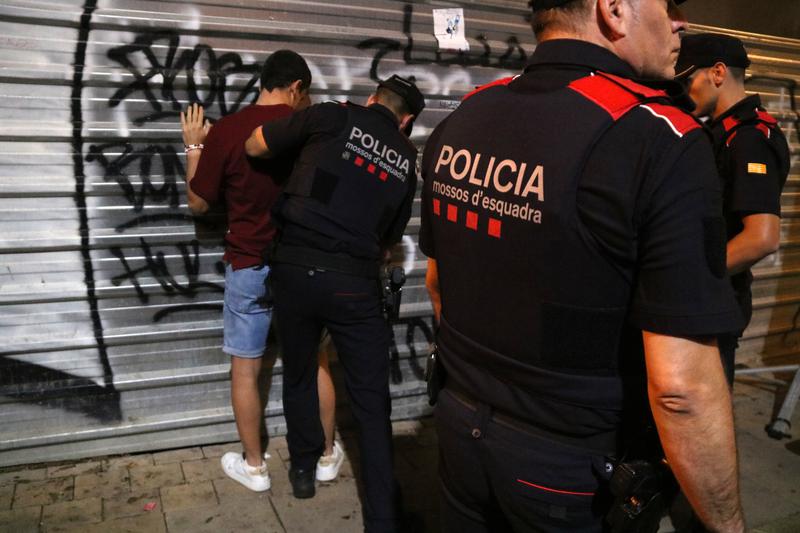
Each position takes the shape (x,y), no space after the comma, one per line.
(189,147)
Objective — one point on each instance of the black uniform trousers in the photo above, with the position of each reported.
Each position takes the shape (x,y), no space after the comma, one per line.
(306,300)
(497,477)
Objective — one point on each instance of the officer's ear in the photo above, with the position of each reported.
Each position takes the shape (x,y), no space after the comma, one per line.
(615,17)
(718,73)
(373,99)
(408,119)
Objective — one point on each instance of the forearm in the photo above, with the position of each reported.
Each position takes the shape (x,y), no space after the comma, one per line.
(197,204)
(692,408)
(760,237)
(744,252)
(432,284)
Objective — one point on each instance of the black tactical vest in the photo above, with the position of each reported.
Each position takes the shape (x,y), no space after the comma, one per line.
(356,181)
(505,178)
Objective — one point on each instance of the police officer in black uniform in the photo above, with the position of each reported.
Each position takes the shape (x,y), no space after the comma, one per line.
(348,199)
(573,220)
(752,158)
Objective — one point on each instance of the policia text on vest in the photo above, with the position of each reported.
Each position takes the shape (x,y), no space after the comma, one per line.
(493,175)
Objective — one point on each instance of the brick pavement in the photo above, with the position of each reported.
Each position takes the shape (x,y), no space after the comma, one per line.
(185,490)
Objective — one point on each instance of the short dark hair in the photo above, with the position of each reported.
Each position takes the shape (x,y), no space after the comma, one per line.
(284,67)
(396,103)
(562,17)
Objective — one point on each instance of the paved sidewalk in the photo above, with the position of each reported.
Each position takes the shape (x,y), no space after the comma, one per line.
(185,491)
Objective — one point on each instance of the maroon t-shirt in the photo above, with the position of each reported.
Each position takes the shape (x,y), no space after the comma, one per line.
(248,186)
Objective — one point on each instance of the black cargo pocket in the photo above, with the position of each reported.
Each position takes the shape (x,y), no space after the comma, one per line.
(581,338)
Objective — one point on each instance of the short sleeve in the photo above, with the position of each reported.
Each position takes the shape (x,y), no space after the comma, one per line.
(207,180)
(755,175)
(425,230)
(681,286)
(292,132)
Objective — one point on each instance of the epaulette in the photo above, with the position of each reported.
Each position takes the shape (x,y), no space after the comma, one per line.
(763,121)
(617,96)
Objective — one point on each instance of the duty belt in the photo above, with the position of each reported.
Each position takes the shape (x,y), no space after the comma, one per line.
(311,257)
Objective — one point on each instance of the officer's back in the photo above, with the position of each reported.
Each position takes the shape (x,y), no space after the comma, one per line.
(571,213)
(349,197)
(354,172)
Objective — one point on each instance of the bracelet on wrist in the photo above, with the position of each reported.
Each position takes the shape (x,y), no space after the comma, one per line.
(189,147)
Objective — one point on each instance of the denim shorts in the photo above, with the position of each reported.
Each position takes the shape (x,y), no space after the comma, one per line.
(247,311)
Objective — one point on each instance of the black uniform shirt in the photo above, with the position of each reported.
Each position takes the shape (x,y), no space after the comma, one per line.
(305,221)
(649,198)
(753,162)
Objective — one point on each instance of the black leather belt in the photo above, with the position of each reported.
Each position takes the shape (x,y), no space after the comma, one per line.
(311,257)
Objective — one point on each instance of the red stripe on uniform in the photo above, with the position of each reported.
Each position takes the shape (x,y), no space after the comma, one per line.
(359,161)
(638,88)
(682,122)
(501,81)
(729,123)
(766,117)
(548,489)
(763,128)
(383,175)
(615,100)
(371,169)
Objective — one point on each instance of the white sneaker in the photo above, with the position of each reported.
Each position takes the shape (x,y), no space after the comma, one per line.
(255,478)
(328,465)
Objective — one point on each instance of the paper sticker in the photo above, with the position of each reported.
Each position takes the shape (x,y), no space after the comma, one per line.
(448,27)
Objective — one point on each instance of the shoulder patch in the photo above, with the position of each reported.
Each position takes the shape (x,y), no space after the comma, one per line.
(765,117)
(501,81)
(606,93)
(614,94)
(763,122)
(679,121)
(729,123)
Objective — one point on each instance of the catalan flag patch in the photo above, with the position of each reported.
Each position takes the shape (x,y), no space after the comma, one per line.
(756,168)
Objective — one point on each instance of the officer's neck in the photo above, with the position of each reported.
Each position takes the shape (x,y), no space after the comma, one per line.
(729,96)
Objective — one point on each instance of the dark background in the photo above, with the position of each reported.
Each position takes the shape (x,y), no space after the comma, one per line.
(775,17)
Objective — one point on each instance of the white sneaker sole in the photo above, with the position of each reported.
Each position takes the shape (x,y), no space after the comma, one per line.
(330,472)
(254,483)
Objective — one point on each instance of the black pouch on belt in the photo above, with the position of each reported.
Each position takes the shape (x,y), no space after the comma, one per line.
(435,375)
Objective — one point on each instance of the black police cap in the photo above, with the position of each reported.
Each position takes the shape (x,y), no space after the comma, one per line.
(708,49)
(407,91)
(538,5)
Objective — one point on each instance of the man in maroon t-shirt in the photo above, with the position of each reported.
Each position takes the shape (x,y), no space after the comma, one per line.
(217,170)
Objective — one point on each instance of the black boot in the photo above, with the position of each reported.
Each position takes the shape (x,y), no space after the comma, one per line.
(302,482)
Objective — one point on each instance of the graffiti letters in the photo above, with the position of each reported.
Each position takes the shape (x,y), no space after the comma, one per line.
(131,168)
(155,265)
(116,169)
(141,60)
